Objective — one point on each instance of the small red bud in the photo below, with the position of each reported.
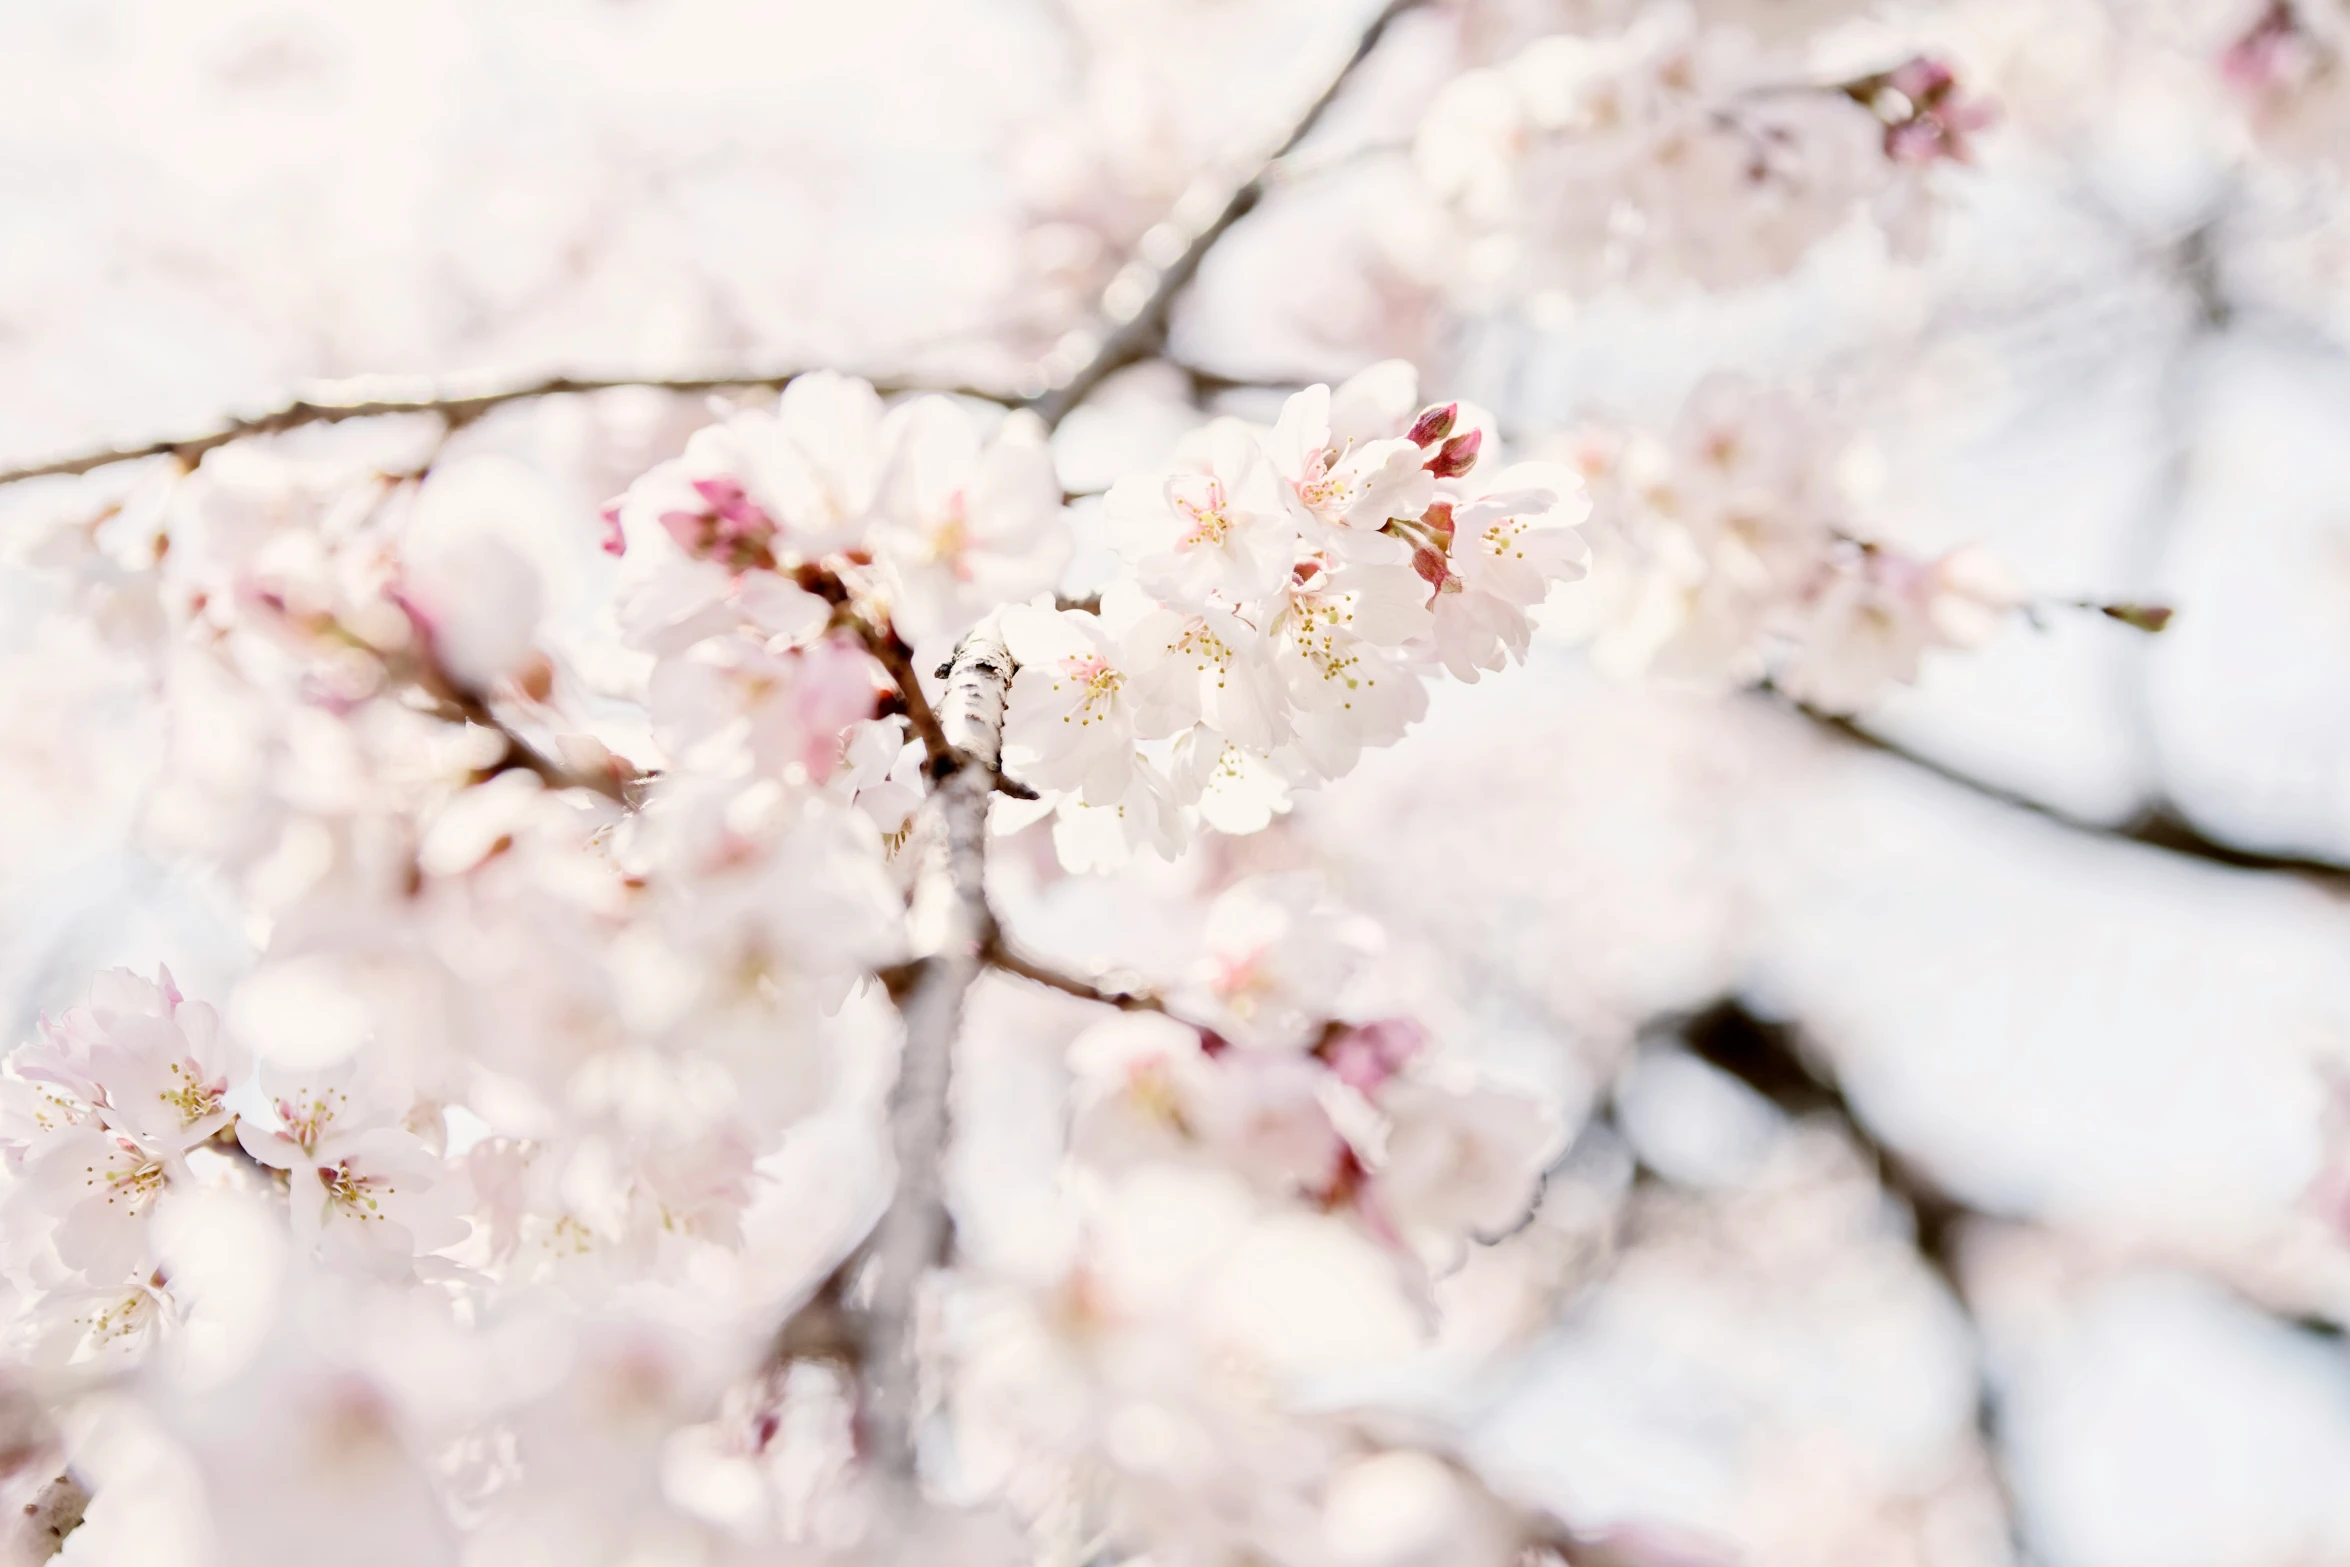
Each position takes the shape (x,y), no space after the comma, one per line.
(1458,456)
(1434,424)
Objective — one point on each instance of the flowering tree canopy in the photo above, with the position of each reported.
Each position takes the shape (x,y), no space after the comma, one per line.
(781,1007)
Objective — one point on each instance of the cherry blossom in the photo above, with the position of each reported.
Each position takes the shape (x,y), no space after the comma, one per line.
(641,929)
(1732,553)
(1214,526)
(1669,152)
(964,528)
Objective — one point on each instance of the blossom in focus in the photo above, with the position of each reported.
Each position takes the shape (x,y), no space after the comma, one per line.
(1213,526)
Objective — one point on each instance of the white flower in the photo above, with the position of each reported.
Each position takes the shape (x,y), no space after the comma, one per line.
(1338,650)
(95,1192)
(1343,486)
(1071,721)
(782,712)
(1237,790)
(1279,958)
(964,527)
(1505,544)
(1874,612)
(103,1108)
(360,1189)
(117,1321)
(1203,665)
(1458,1162)
(1089,838)
(800,480)
(1215,526)
(165,1062)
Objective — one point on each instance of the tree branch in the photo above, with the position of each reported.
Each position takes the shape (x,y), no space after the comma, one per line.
(890,651)
(912,1235)
(1136,305)
(54,1512)
(374,397)
(998,954)
(2161,828)
(1770,1059)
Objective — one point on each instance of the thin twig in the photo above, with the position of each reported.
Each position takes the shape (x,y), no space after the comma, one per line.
(896,658)
(999,955)
(2162,828)
(460,705)
(1139,299)
(890,651)
(376,397)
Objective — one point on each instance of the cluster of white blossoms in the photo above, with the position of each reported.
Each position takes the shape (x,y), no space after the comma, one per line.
(1730,552)
(1264,1200)
(490,1181)
(1287,592)
(1671,152)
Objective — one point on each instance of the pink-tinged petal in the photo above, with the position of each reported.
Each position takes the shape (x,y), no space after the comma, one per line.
(274,1149)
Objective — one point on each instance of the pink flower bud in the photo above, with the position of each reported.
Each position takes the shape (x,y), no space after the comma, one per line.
(1429,562)
(1434,424)
(1366,1057)
(1922,81)
(1437,519)
(1458,456)
(727,497)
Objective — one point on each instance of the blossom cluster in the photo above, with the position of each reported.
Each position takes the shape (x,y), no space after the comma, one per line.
(1728,551)
(1286,591)
(1283,591)
(1268,1181)
(568,906)
(1668,152)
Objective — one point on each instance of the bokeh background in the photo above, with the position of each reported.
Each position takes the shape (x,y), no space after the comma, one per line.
(1954,1183)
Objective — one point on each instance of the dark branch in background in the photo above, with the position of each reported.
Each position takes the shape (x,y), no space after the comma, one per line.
(2162,828)
(1140,330)
(368,399)
(1205,384)
(1770,1059)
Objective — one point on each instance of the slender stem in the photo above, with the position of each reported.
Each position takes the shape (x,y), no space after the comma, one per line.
(999,955)
(377,397)
(1137,303)
(2163,828)
(890,651)
(912,1236)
